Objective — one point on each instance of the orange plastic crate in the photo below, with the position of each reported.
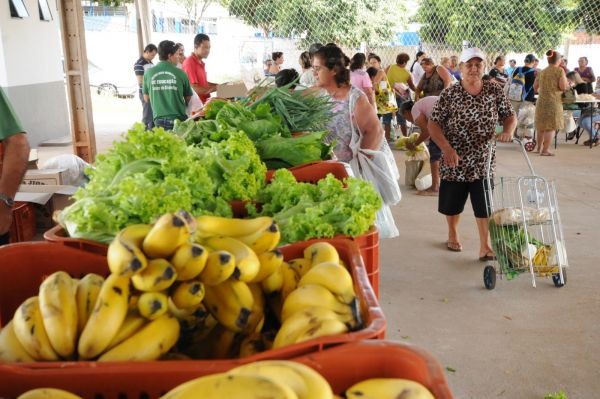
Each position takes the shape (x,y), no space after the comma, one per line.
(23,223)
(314,171)
(25,265)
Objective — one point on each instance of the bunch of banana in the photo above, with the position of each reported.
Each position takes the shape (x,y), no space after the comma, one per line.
(388,388)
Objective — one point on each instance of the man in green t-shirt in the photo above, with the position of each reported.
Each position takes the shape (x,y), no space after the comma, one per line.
(14,153)
(167,87)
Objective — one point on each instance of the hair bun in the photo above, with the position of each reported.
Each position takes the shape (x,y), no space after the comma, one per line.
(549,53)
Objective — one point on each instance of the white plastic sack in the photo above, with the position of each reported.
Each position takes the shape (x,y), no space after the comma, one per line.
(75,166)
(569,122)
(194,105)
(424,179)
(526,119)
(385,223)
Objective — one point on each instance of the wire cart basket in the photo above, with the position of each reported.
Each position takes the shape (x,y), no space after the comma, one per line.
(525,227)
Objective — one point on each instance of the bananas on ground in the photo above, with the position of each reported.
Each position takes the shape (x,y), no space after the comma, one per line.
(86,293)
(263,240)
(11,349)
(48,393)
(210,226)
(157,276)
(230,303)
(388,388)
(247,264)
(152,305)
(321,252)
(188,294)
(59,312)
(149,343)
(125,256)
(220,265)
(169,232)
(107,317)
(29,328)
(189,260)
(332,276)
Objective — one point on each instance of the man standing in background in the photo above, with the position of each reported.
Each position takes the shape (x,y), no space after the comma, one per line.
(195,68)
(139,68)
(14,153)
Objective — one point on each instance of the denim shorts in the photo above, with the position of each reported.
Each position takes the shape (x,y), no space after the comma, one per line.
(435,153)
(166,124)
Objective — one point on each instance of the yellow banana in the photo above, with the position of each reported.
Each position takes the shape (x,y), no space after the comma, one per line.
(189,261)
(168,233)
(219,386)
(48,393)
(295,324)
(59,312)
(133,323)
(149,343)
(209,226)
(320,252)
(222,343)
(263,240)
(300,265)
(290,280)
(388,388)
(86,294)
(304,381)
(257,315)
(125,256)
(106,319)
(273,282)
(11,349)
(334,277)
(220,265)
(322,328)
(253,344)
(246,261)
(269,262)
(29,328)
(188,294)
(152,305)
(194,320)
(230,303)
(157,276)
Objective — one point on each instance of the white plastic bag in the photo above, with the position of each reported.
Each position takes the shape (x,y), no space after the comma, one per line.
(75,166)
(194,105)
(424,179)
(385,223)
(526,119)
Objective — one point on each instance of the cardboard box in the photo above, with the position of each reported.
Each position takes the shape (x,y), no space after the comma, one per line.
(47,200)
(44,177)
(232,89)
(33,159)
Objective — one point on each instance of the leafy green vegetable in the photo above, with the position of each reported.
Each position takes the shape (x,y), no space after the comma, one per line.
(508,243)
(294,150)
(213,108)
(556,395)
(202,132)
(304,211)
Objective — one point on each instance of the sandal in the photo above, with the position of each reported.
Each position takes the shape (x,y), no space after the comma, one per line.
(428,193)
(453,246)
(547,154)
(487,257)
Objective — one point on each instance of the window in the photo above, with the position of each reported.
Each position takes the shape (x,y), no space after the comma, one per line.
(18,9)
(45,14)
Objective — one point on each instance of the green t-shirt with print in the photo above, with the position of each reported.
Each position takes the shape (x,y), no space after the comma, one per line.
(167,86)
(9,122)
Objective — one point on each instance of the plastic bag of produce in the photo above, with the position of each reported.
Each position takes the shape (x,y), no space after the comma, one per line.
(424,179)
(507,216)
(412,170)
(386,226)
(75,168)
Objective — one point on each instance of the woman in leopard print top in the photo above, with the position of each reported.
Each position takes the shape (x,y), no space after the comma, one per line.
(463,125)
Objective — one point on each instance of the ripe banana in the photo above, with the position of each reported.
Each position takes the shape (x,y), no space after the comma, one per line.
(86,294)
(152,305)
(209,226)
(11,349)
(220,265)
(322,328)
(194,320)
(297,323)
(188,294)
(133,323)
(273,282)
(219,386)
(149,343)
(59,312)
(269,262)
(246,261)
(334,277)
(257,315)
(106,319)
(263,240)
(253,344)
(125,256)
(29,328)
(304,381)
(169,232)
(300,265)
(290,280)
(189,261)
(157,276)
(388,388)
(320,252)
(230,303)
(48,393)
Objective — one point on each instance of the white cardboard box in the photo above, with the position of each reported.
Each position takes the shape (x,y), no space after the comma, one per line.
(44,177)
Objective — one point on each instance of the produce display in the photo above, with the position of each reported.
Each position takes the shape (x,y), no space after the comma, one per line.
(420,152)
(272,379)
(153,172)
(184,287)
(325,209)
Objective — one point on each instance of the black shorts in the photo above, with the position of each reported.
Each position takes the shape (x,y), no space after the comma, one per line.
(453,197)
(435,153)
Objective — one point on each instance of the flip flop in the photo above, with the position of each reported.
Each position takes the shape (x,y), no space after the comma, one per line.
(453,246)
(428,193)
(487,257)
(547,154)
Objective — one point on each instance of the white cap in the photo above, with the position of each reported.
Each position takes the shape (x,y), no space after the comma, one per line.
(470,53)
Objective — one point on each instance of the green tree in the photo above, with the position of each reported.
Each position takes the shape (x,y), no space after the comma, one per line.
(588,15)
(497,26)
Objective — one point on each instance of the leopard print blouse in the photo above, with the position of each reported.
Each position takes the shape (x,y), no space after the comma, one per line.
(469,124)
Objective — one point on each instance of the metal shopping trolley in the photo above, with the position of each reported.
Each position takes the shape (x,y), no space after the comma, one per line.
(525,227)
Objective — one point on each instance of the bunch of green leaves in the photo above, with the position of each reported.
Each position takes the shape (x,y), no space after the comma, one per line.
(508,243)
(279,152)
(145,175)
(304,211)
(201,133)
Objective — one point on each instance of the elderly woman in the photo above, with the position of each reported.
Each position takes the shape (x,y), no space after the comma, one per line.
(550,84)
(586,72)
(435,79)
(463,125)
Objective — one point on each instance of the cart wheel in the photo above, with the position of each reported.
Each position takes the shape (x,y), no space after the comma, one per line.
(489,277)
(556,279)
(530,146)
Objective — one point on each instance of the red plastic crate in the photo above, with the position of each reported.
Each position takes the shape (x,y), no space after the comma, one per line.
(58,235)
(23,223)
(314,171)
(25,265)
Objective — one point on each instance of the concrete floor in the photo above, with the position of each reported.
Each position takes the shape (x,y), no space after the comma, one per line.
(513,342)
